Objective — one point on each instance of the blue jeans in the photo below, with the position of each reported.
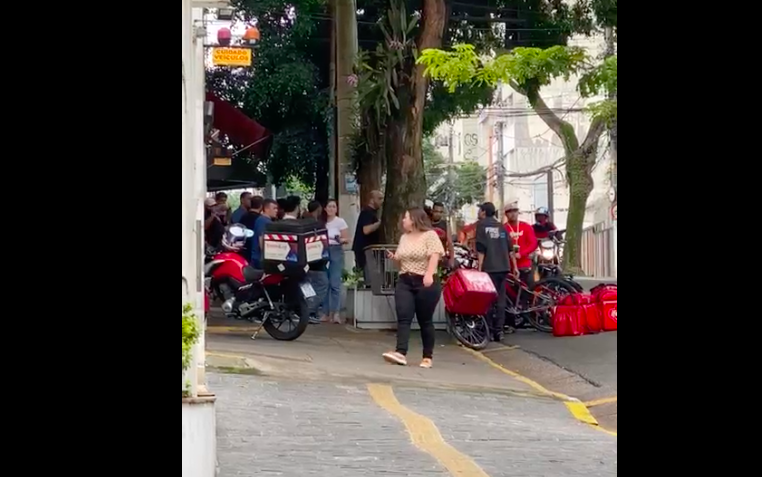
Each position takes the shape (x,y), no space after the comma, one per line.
(332,303)
(319,281)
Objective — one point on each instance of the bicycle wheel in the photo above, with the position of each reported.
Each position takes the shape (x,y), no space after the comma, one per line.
(548,293)
(471,331)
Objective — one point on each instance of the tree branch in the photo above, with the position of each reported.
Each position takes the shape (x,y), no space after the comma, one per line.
(597,128)
(541,170)
(563,129)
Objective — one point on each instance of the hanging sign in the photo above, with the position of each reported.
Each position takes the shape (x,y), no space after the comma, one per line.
(231,56)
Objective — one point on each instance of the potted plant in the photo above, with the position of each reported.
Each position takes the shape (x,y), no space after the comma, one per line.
(199,421)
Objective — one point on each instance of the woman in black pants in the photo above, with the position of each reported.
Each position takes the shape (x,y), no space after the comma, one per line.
(418,292)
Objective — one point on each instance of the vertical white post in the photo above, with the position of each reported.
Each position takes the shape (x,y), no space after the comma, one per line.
(188,199)
(199,191)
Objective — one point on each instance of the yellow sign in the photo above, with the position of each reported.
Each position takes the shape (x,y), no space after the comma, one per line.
(223,161)
(231,56)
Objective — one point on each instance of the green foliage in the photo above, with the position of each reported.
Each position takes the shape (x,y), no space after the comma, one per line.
(527,69)
(190,334)
(286,88)
(466,184)
(383,71)
(353,279)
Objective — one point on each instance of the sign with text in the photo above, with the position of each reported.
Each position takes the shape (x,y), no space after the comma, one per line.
(231,56)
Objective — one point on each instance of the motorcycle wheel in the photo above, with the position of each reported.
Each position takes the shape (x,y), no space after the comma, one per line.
(471,331)
(555,287)
(299,311)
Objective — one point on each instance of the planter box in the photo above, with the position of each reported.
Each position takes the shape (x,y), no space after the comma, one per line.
(199,437)
(372,312)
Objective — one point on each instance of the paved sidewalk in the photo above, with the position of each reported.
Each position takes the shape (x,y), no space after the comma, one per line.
(274,427)
(337,353)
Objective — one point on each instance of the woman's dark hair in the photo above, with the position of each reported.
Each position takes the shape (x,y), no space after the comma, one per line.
(421,220)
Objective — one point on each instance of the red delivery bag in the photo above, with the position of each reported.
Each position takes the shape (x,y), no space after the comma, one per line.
(593,319)
(606,299)
(569,320)
(469,292)
(589,320)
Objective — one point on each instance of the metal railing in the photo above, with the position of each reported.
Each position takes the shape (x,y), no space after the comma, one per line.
(383,273)
(597,251)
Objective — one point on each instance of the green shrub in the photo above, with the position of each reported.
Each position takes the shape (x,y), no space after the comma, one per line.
(190,334)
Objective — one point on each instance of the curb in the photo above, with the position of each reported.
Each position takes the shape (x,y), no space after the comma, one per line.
(578,409)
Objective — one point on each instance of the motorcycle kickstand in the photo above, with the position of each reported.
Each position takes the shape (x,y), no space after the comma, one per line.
(258,330)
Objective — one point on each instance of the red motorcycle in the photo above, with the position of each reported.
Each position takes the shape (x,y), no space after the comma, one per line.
(277,302)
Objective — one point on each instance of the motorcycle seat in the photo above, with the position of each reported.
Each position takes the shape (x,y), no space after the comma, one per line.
(251,274)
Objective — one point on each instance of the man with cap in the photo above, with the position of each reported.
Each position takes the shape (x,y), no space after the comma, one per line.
(493,244)
(523,238)
(213,227)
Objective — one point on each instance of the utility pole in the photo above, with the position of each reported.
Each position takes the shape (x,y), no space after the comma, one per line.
(551,195)
(500,166)
(333,164)
(345,31)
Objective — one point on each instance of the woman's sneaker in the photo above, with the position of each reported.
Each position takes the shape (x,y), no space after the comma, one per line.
(394,357)
(427,363)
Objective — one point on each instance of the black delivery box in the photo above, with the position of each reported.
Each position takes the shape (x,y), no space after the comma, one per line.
(291,244)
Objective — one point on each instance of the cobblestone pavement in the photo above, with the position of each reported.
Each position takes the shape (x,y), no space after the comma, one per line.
(269,427)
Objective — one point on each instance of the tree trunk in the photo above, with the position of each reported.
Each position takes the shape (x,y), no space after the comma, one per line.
(579,174)
(406,181)
(369,175)
(580,159)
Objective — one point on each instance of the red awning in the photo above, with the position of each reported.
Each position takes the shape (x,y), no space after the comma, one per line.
(241,129)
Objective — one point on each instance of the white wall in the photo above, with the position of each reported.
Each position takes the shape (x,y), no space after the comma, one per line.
(193,179)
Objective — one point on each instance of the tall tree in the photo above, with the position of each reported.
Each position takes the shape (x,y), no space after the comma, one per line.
(411,104)
(527,70)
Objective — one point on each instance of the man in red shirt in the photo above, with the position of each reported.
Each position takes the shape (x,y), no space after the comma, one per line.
(467,236)
(524,241)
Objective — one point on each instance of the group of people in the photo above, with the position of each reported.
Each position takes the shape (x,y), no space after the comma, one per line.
(255,212)
(502,249)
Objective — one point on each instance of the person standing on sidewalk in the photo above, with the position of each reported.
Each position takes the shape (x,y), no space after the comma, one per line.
(367,233)
(338,236)
(438,221)
(418,291)
(493,244)
(242,209)
(523,239)
(317,273)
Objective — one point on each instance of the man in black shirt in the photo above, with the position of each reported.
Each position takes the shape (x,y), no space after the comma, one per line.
(249,219)
(494,248)
(438,221)
(213,228)
(367,233)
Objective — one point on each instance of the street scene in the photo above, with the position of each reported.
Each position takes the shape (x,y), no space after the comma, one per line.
(399,238)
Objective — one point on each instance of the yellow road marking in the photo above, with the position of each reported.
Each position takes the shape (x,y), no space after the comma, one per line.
(577,408)
(600,402)
(425,434)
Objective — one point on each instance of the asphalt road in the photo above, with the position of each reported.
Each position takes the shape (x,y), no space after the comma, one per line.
(593,357)
(583,367)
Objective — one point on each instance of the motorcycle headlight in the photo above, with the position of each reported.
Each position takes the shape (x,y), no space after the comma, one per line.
(548,254)
(547,244)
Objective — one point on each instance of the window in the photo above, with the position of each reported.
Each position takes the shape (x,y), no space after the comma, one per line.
(540,193)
